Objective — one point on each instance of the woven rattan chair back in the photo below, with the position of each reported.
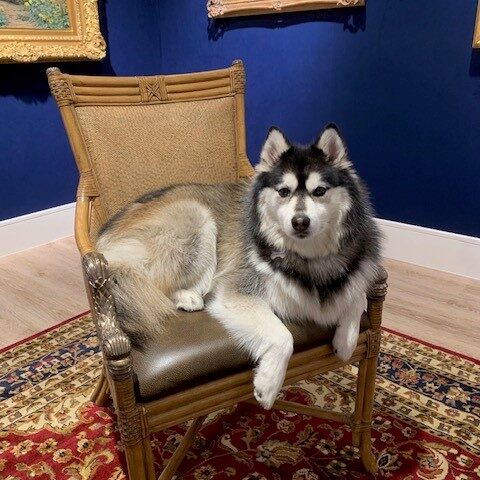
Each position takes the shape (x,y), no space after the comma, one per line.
(131,135)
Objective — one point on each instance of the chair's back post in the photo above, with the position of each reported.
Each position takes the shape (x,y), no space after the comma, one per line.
(62,91)
(245,169)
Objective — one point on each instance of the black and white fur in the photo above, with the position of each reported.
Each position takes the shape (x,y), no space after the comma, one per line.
(297,242)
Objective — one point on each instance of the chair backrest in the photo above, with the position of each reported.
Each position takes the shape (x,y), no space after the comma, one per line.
(130,135)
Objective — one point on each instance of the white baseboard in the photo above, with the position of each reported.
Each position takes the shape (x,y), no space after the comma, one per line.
(35,229)
(445,251)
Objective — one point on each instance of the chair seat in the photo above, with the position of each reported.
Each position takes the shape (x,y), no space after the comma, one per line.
(196,348)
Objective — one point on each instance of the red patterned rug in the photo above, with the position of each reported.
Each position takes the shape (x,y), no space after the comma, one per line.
(426,423)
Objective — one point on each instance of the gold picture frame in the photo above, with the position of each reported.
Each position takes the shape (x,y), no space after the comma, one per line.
(60,30)
(476,34)
(235,8)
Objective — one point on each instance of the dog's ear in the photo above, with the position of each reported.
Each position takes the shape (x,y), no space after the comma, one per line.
(333,146)
(275,145)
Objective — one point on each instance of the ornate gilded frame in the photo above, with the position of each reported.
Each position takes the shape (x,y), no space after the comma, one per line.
(235,8)
(476,34)
(81,41)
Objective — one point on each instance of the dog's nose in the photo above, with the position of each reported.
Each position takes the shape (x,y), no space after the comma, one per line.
(300,222)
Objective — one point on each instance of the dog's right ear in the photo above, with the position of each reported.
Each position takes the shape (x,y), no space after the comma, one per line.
(275,145)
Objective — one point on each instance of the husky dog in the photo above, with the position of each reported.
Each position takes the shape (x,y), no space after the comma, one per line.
(296,242)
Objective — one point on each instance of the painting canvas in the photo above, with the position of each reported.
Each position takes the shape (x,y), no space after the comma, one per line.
(38,30)
(38,14)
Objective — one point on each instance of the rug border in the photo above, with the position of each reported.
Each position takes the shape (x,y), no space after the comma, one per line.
(49,329)
(432,345)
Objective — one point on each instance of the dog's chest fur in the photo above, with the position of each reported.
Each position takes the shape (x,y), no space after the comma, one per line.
(299,288)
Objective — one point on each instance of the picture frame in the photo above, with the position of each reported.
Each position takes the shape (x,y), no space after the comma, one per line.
(234,8)
(44,30)
(476,33)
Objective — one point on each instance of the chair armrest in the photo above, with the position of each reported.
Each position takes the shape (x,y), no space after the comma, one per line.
(379,287)
(375,297)
(115,343)
(116,348)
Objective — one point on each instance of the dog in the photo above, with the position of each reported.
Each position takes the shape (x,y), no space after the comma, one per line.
(295,242)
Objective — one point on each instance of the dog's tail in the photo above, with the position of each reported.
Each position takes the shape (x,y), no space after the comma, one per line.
(142,307)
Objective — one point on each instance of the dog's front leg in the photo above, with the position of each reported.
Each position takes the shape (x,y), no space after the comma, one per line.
(251,321)
(346,335)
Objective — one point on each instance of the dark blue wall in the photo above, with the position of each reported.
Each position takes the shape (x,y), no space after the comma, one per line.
(399,77)
(37,169)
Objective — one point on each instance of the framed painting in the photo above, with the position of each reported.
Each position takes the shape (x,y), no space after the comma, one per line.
(476,34)
(235,8)
(41,30)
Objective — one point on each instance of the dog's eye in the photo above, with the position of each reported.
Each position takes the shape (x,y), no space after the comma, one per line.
(284,192)
(319,192)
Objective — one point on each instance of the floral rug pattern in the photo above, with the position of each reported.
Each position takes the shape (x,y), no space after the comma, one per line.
(426,422)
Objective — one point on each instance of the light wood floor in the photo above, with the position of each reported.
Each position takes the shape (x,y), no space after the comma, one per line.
(43,286)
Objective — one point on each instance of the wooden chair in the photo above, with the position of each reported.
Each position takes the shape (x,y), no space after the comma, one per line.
(130,135)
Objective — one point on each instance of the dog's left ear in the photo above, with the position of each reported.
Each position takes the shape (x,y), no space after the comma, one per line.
(332,145)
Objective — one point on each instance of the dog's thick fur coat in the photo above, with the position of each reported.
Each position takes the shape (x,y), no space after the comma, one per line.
(297,242)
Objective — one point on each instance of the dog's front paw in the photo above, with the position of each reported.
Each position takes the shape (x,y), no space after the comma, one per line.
(344,343)
(270,373)
(266,387)
(187,300)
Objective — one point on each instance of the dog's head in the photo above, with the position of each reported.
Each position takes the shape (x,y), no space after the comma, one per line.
(304,193)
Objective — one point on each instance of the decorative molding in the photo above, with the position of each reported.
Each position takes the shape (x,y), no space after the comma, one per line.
(152,88)
(82,40)
(476,34)
(437,249)
(233,8)
(35,229)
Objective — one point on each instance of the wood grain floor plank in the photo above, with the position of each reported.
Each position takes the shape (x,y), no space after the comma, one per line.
(39,288)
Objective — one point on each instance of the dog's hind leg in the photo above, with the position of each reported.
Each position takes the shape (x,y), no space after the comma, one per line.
(346,335)
(251,321)
(201,266)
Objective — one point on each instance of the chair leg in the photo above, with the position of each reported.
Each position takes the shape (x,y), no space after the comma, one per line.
(356,422)
(182,449)
(366,453)
(140,461)
(102,391)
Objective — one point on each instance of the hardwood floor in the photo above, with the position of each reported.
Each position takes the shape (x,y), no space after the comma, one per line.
(43,286)
(40,288)
(437,307)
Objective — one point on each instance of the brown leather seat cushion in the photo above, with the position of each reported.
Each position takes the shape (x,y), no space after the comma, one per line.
(196,348)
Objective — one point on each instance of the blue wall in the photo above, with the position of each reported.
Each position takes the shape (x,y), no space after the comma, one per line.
(37,169)
(399,77)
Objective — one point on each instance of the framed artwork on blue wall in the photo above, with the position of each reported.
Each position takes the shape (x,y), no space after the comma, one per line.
(476,35)
(41,30)
(236,8)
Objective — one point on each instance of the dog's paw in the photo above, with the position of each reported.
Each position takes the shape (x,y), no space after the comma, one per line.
(344,344)
(270,373)
(266,386)
(187,300)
